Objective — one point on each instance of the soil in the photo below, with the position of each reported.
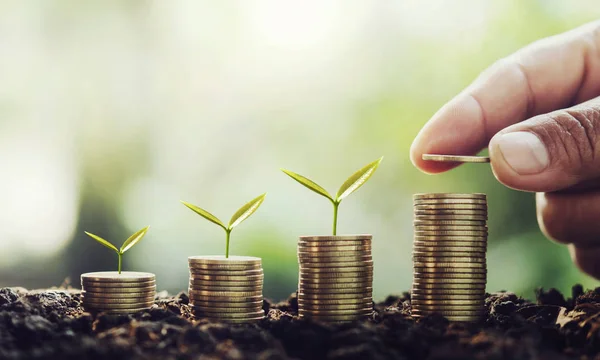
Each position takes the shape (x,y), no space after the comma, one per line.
(51,324)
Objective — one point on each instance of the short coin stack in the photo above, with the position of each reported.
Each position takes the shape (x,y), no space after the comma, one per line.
(336,278)
(112,292)
(449,255)
(227,289)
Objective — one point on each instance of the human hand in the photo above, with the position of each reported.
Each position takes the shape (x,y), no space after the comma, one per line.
(538,111)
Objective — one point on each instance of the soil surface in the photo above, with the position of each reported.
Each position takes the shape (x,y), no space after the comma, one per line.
(51,324)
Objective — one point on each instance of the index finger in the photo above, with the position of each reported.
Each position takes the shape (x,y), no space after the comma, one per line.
(545,76)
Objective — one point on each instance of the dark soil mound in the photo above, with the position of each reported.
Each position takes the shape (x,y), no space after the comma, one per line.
(51,324)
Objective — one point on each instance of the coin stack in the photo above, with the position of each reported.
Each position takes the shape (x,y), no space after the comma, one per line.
(336,278)
(227,289)
(449,255)
(112,292)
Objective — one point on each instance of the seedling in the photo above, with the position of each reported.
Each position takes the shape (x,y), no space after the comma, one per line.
(128,244)
(352,184)
(242,214)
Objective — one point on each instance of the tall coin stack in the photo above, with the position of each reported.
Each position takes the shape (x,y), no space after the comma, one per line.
(449,255)
(336,278)
(227,289)
(112,292)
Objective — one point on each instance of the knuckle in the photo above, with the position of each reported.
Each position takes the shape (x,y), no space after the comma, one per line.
(555,218)
(572,136)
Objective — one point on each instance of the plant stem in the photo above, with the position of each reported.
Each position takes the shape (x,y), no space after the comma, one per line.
(335,216)
(120,261)
(227,243)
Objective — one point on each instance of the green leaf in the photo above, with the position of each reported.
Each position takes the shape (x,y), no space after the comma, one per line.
(205,214)
(308,183)
(103,242)
(134,239)
(245,211)
(357,180)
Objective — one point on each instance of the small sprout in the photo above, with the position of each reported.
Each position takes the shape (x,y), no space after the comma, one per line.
(242,214)
(128,244)
(352,184)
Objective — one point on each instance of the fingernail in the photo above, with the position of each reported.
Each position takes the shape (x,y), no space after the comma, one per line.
(524,152)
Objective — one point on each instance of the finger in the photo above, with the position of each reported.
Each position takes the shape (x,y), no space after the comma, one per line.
(547,75)
(586,259)
(570,218)
(549,152)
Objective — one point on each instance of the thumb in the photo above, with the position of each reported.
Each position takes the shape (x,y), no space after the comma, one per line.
(549,152)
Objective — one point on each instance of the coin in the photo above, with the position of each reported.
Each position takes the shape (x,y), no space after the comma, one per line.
(424,285)
(447,302)
(334,302)
(450,212)
(328,312)
(224,272)
(103,305)
(257,283)
(331,276)
(336,264)
(334,254)
(338,259)
(449,201)
(432,218)
(474,318)
(464,220)
(226,288)
(97,284)
(339,270)
(230,315)
(226,294)
(308,247)
(421,275)
(329,318)
(311,296)
(448,206)
(456,158)
(448,297)
(221,298)
(439,292)
(448,280)
(325,281)
(119,311)
(103,300)
(224,267)
(229,278)
(330,286)
(449,196)
(115,277)
(221,260)
(337,238)
(94,289)
(457,259)
(364,290)
(426,247)
(101,295)
(239,305)
(227,310)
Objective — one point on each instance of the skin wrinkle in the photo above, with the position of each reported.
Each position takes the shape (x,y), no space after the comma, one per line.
(531,101)
(482,118)
(587,123)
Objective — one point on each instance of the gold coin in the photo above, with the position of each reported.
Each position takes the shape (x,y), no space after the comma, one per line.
(308,293)
(471,218)
(100,305)
(420,247)
(449,201)
(94,289)
(479,207)
(334,302)
(226,273)
(448,297)
(221,260)
(473,240)
(336,238)
(449,270)
(449,196)
(133,295)
(335,271)
(337,264)
(330,286)
(226,283)
(441,292)
(115,277)
(139,284)
(450,212)
(224,267)
(222,278)
(334,318)
(337,275)
(445,228)
(226,288)
(452,254)
(236,305)
(339,259)
(350,280)
(308,247)
(450,312)
(327,312)
(476,309)
(310,296)
(449,233)
(475,318)
(424,285)
(104,300)
(420,302)
(458,259)
(236,321)
(327,255)
(456,158)
(320,307)
(221,299)
(463,221)
(227,310)
(449,281)
(230,294)
(118,311)
(421,275)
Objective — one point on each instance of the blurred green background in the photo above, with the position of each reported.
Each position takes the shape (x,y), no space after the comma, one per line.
(113,111)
